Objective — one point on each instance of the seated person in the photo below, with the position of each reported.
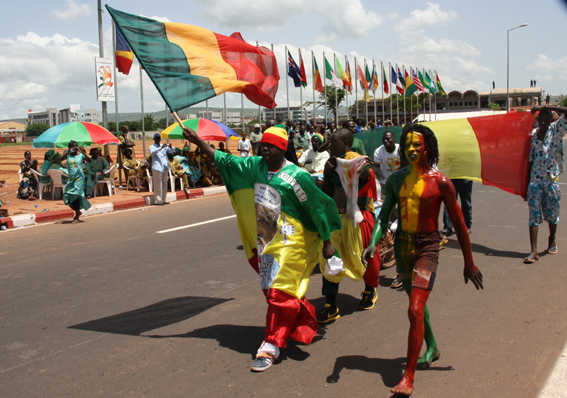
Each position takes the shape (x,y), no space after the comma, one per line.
(28,185)
(94,171)
(312,160)
(193,172)
(197,159)
(131,168)
(178,171)
(45,166)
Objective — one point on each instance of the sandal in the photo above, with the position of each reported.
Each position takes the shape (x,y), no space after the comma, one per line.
(553,250)
(531,259)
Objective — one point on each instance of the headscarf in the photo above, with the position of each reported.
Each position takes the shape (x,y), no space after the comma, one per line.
(275,136)
(320,137)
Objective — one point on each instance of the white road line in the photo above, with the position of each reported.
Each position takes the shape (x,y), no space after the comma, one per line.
(557,382)
(194,225)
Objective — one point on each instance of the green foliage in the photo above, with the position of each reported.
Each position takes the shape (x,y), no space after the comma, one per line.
(111,127)
(33,130)
(563,103)
(253,122)
(161,124)
(493,106)
(331,93)
(149,122)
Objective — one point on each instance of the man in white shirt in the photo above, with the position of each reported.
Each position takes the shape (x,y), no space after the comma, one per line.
(160,169)
(244,146)
(386,158)
(312,160)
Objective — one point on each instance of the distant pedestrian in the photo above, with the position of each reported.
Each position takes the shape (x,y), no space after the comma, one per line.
(74,195)
(160,169)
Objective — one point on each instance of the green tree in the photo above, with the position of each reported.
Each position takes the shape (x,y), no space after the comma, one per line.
(161,124)
(331,93)
(149,122)
(564,102)
(493,106)
(111,127)
(33,130)
(253,122)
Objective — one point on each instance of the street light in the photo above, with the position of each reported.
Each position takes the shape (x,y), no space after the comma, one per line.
(508,65)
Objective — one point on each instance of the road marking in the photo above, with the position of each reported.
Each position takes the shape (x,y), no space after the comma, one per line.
(557,382)
(194,225)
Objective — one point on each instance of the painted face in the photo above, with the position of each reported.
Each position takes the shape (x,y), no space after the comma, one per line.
(415,148)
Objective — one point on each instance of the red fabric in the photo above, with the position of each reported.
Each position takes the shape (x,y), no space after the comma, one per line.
(368,190)
(253,261)
(372,274)
(504,142)
(123,64)
(252,64)
(289,317)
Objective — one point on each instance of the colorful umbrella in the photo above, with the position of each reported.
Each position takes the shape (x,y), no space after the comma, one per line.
(84,133)
(208,130)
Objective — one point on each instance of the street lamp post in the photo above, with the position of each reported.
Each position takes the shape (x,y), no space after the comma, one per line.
(508,65)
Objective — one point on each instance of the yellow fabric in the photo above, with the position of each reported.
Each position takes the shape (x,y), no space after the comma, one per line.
(204,56)
(348,242)
(243,204)
(459,151)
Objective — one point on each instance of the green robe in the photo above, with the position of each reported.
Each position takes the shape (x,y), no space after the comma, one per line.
(75,188)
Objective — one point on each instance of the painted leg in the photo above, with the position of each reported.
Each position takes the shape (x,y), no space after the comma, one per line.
(416,314)
(432,354)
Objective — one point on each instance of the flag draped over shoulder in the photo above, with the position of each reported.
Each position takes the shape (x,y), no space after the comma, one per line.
(439,86)
(385,81)
(317,82)
(293,70)
(123,53)
(189,64)
(489,149)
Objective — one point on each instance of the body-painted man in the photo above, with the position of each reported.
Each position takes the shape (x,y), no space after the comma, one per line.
(351,239)
(419,190)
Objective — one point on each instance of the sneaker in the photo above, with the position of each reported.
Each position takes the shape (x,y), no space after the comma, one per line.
(262,364)
(447,232)
(368,300)
(396,283)
(328,314)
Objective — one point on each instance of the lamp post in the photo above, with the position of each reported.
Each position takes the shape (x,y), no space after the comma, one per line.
(508,65)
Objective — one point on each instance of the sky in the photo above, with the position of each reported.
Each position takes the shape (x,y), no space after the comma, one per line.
(47,48)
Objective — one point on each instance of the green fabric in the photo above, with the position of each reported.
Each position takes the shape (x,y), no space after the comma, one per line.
(431,87)
(423,82)
(372,139)
(316,211)
(75,188)
(95,166)
(164,62)
(358,146)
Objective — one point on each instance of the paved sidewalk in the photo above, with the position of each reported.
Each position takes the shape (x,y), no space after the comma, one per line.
(126,200)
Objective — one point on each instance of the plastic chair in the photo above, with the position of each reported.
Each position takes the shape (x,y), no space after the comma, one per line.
(41,186)
(133,178)
(109,181)
(172,179)
(56,176)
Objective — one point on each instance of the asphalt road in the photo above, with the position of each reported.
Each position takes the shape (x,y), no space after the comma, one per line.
(112,308)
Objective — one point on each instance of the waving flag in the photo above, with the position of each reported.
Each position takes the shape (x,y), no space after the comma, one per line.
(330,74)
(340,73)
(395,82)
(368,76)
(417,82)
(302,71)
(410,87)
(361,77)
(317,82)
(293,70)
(349,88)
(385,81)
(430,83)
(189,64)
(401,83)
(374,84)
(123,53)
(439,86)
(424,82)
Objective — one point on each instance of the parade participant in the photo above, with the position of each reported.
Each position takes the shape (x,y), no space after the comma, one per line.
(351,239)
(545,165)
(285,223)
(95,170)
(131,167)
(419,190)
(255,138)
(45,166)
(160,167)
(312,160)
(357,144)
(126,142)
(74,195)
(244,146)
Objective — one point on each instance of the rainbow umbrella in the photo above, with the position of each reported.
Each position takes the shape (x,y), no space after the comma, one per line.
(84,133)
(208,130)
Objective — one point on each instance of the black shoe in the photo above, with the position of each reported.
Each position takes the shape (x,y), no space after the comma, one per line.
(396,283)
(165,203)
(328,314)
(447,231)
(368,300)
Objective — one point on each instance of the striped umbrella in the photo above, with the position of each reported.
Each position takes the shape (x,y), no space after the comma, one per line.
(208,130)
(84,133)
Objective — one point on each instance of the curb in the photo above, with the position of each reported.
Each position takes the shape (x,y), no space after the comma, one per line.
(148,200)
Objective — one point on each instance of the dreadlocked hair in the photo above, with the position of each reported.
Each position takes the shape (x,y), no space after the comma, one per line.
(429,139)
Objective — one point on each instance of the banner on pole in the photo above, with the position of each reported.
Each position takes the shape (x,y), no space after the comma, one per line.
(104,70)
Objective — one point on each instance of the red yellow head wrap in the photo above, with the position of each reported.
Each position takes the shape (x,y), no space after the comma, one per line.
(275,136)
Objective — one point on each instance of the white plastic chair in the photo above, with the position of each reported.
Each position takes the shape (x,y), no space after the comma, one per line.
(56,178)
(41,186)
(133,178)
(109,181)
(172,179)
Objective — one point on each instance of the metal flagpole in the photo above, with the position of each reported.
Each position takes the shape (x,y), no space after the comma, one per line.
(313,74)
(259,107)
(142,104)
(383,86)
(325,85)
(346,91)
(397,96)
(374,77)
(300,86)
(391,93)
(405,111)
(286,79)
(116,106)
(224,109)
(411,103)
(101,54)
(241,113)
(436,91)
(367,90)
(429,92)
(336,92)
(356,86)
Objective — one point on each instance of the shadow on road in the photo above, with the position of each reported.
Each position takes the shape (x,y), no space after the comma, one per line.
(487,251)
(152,317)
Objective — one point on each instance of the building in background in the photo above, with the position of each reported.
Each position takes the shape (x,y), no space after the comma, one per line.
(283,113)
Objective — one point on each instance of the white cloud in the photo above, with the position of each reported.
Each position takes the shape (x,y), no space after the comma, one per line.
(414,27)
(548,69)
(73,12)
(343,18)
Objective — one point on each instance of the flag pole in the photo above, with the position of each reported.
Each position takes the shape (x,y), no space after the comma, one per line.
(300,85)
(101,54)
(429,95)
(391,92)
(224,110)
(336,93)
(368,89)
(119,155)
(142,105)
(313,74)
(383,87)
(259,107)
(397,96)
(374,77)
(405,111)
(356,86)
(437,89)
(286,79)
(325,86)
(346,90)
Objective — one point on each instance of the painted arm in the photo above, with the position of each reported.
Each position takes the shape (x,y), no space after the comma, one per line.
(191,136)
(471,271)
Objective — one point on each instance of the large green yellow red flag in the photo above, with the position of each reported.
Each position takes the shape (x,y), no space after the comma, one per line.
(189,64)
